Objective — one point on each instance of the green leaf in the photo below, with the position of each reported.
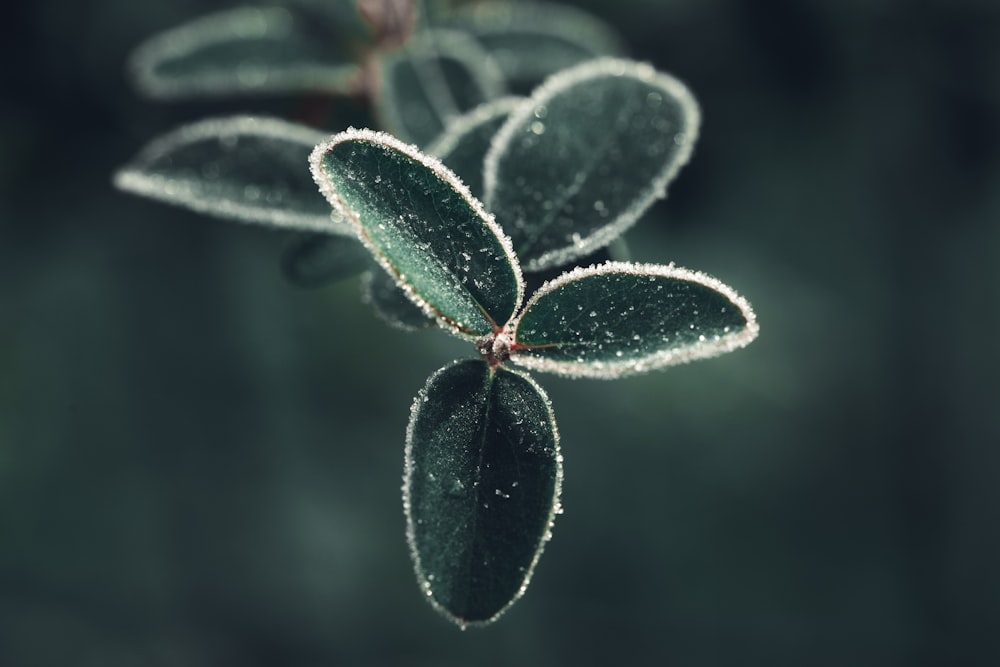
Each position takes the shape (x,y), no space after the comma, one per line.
(481,490)
(380,291)
(531,41)
(465,142)
(579,163)
(252,50)
(424,227)
(440,75)
(240,168)
(620,319)
(314,260)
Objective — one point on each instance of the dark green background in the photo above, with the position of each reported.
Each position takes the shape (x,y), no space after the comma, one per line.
(200,464)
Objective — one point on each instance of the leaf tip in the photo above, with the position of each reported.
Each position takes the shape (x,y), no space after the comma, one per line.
(467,411)
(648,123)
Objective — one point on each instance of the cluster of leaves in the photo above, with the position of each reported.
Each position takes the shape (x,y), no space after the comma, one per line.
(532,185)
(430,76)
(419,67)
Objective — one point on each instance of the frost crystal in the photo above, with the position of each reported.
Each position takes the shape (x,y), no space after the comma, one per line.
(610,346)
(567,188)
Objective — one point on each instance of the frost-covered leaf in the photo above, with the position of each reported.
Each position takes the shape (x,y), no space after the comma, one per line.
(464,143)
(438,76)
(533,40)
(242,168)
(481,490)
(620,319)
(390,302)
(252,50)
(424,227)
(314,260)
(593,148)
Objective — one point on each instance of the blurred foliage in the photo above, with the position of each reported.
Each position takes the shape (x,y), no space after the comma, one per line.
(199,463)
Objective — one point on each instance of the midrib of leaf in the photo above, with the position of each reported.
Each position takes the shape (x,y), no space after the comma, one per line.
(517,464)
(397,275)
(577,184)
(489,318)
(477,486)
(584,344)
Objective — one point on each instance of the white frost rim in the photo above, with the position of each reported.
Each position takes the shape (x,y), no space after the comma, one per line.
(461,126)
(232,25)
(138,178)
(411,541)
(442,172)
(581,75)
(608,370)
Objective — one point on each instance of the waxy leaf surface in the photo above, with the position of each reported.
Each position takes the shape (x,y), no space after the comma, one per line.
(314,260)
(424,227)
(532,40)
(253,50)
(465,142)
(242,168)
(593,148)
(438,76)
(620,319)
(482,481)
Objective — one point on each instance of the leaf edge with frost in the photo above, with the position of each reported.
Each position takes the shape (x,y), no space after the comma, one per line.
(215,28)
(464,142)
(408,469)
(132,179)
(556,84)
(460,126)
(443,173)
(610,370)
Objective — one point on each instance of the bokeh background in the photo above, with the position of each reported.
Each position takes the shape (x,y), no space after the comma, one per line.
(200,464)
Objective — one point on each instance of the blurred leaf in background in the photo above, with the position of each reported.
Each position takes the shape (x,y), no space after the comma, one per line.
(187,478)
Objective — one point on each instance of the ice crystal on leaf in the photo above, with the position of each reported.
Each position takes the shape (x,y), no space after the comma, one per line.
(569,172)
(424,227)
(483,468)
(421,71)
(565,171)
